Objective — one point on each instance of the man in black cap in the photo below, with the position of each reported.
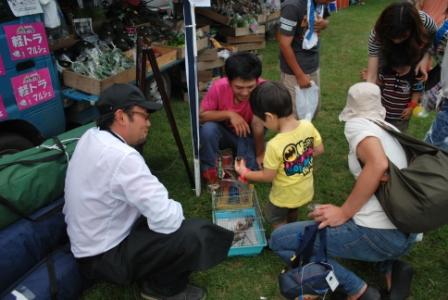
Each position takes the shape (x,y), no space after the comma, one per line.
(123,227)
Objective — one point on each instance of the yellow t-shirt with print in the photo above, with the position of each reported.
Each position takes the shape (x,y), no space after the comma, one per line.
(291,154)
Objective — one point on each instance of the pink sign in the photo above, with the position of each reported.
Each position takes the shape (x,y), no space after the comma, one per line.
(3,113)
(2,67)
(26,40)
(32,88)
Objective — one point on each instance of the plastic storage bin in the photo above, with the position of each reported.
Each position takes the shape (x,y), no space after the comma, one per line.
(243,216)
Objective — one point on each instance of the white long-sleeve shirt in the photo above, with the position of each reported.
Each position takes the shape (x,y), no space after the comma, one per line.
(107,187)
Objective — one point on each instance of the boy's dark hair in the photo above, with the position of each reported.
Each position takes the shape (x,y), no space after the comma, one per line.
(272,97)
(244,65)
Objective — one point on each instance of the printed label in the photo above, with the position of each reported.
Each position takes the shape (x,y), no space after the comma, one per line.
(26,40)
(32,88)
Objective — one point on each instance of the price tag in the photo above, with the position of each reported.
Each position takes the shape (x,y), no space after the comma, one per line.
(332,281)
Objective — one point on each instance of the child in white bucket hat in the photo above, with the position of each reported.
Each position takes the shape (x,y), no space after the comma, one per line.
(363,101)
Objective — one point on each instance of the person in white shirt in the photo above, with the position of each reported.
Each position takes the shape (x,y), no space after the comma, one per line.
(359,229)
(122,225)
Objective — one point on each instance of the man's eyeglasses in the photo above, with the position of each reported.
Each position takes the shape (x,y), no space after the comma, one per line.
(142,114)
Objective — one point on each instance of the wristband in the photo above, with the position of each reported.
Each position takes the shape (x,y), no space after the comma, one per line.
(412,104)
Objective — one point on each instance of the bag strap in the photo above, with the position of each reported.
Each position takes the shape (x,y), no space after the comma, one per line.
(306,248)
(411,145)
(49,158)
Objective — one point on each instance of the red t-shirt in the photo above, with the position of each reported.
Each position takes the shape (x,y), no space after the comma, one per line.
(220,97)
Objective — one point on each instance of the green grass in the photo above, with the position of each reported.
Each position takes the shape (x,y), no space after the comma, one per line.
(343,55)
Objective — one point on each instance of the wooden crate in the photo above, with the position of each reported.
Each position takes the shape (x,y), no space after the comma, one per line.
(94,86)
(213,15)
(251,38)
(209,54)
(273,16)
(201,44)
(208,65)
(250,46)
(164,55)
(268,17)
(240,31)
(65,42)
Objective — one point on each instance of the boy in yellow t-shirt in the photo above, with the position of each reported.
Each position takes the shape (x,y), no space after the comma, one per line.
(288,161)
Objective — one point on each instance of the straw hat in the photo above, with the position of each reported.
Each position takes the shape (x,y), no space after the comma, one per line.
(363,101)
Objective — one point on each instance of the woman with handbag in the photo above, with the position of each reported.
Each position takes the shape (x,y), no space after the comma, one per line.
(360,229)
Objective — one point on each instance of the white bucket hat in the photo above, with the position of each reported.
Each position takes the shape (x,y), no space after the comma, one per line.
(363,101)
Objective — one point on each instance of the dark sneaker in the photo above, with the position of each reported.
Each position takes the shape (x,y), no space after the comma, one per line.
(371,294)
(191,292)
(402,274)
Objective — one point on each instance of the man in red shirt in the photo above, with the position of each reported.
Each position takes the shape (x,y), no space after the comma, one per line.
(226,115)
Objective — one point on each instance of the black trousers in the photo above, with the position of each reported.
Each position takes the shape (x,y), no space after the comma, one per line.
(164,261)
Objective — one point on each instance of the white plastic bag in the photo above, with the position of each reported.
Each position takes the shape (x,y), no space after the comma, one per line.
(307,101)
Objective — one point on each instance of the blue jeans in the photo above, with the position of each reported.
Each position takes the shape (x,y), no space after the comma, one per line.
(215,136)
(348,241)
(438,133)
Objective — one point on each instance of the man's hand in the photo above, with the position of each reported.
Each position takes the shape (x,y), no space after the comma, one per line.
(407,113)
(320,24)
(329,215)
(240,126)
(303,82)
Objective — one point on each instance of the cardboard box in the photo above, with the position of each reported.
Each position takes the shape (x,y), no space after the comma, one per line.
(240,31)
(94,86)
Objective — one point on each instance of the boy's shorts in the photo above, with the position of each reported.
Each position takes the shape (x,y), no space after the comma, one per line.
(275,214)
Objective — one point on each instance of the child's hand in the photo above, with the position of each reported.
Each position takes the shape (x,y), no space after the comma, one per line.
(240,166)
(407,113)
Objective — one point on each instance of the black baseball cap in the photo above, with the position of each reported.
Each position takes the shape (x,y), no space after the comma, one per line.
(123,95)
